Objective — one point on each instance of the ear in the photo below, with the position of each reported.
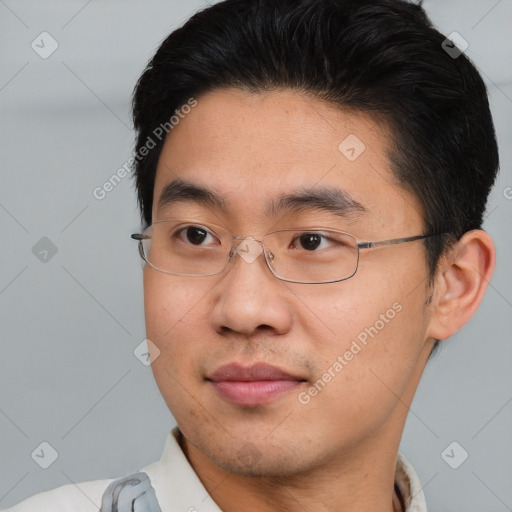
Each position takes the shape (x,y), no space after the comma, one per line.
(460,283)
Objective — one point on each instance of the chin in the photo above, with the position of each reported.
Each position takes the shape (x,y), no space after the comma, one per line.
(263,466)
(260,458)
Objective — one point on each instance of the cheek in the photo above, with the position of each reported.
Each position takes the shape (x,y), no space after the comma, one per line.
(336,314)
(367,337)
(170,304)
(175,322)
(173,313)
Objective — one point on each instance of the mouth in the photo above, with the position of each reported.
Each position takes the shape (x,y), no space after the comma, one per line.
(253,385)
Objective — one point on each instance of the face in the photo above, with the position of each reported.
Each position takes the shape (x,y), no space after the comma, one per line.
(268,377)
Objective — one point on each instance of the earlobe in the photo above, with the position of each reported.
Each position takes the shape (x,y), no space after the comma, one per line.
(460,283)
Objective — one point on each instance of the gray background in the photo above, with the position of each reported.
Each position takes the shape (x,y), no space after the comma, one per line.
(69,325)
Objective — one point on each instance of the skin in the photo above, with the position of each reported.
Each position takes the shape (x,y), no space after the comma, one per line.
(338,451)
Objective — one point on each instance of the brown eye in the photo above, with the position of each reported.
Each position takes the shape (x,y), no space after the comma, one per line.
(196,235)
(310,241)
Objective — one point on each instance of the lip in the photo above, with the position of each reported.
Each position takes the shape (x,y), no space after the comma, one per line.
(253,385)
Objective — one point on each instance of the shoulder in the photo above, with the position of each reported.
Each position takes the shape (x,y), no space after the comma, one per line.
(80,497)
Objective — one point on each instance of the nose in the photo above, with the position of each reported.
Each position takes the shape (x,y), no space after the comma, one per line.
(248,249)
(249,298)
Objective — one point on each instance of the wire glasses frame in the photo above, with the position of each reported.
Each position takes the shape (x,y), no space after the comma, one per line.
(268,255)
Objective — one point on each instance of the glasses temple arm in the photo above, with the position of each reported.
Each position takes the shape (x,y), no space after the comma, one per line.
(394,241)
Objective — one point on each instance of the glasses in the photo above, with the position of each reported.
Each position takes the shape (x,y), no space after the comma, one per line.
(312,255)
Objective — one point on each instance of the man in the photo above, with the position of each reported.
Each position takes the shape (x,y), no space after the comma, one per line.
(312,178)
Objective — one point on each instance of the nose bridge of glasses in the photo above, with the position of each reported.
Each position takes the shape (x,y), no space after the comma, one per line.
(248,248)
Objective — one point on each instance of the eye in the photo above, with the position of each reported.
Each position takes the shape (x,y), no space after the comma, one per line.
(312,241)
(194,235)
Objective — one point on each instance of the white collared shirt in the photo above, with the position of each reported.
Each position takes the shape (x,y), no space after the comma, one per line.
(178,488)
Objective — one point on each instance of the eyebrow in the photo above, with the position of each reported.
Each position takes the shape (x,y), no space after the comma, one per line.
(324,198)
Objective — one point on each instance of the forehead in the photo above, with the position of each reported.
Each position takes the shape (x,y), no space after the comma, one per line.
(254,149)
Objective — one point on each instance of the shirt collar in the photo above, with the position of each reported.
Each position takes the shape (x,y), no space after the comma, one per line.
(409,484)
(187,493)
(176,484)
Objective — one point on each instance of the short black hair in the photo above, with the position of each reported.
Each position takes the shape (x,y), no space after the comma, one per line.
(381,57)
